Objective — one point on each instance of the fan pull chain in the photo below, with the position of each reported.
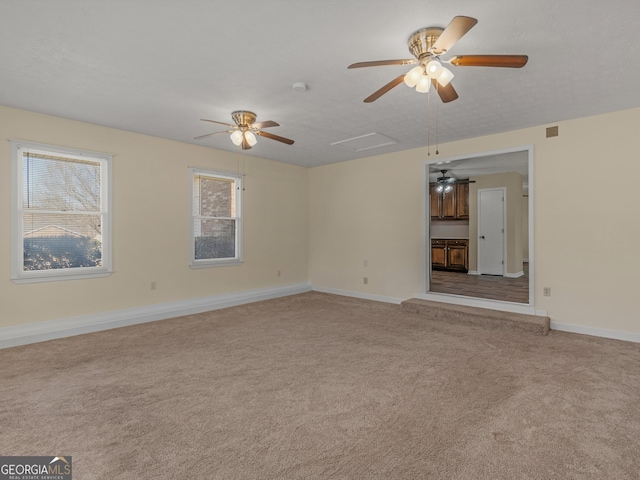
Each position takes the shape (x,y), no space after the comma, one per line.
(241,171)
(437,152)
(428,126)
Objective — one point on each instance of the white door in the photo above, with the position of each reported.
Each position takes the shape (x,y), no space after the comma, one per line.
(491,231)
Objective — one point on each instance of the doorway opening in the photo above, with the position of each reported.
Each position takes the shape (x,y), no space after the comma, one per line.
(496,203)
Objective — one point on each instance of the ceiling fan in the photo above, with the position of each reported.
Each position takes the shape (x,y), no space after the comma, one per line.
(244,132)
(445,184)
(427,45)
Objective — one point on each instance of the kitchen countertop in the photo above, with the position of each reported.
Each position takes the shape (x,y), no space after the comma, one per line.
(450,238)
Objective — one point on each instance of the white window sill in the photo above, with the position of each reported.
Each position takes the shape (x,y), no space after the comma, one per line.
(215,263)
(58,278)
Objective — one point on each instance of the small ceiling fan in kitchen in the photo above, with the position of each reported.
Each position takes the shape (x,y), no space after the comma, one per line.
(444,183)
(427,45)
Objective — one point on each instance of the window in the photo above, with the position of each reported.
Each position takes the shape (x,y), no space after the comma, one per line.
(216,218)
(61,214)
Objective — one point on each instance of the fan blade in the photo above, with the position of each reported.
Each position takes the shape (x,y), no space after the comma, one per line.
(456,29)
(219,123)
(211,134)
(511,61)
(378,93)
(277,138)
(379,63)
(447,94)
(245,143)
(265,124)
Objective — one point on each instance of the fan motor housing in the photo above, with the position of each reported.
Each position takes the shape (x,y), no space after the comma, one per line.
(243,117)
(421,42)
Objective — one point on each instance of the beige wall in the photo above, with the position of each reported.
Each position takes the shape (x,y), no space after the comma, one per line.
(151,224)
(586,238)
(512,182)
(368,209)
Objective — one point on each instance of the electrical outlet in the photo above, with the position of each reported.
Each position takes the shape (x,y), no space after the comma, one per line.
(365,264)
(546,291)
(154,285)
(365,280)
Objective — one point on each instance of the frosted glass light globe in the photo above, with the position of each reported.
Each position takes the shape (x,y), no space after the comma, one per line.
(250,137)
(445,77)
(412,77)
(423,84)
(236,137)
(434,69)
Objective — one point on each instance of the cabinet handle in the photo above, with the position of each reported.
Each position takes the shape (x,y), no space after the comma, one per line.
(482,237)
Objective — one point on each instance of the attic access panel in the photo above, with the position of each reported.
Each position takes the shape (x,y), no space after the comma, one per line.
(365,142)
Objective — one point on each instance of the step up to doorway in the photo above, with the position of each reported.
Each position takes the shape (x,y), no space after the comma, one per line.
(480,316)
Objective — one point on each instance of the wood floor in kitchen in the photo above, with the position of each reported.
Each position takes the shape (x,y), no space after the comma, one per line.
(482,286)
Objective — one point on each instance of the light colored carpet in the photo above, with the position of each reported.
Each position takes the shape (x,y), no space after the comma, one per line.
(318,386)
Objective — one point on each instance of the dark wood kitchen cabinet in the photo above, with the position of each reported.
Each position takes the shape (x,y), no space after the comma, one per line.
(450,206)
(450,254)
(439,254)
(462,201)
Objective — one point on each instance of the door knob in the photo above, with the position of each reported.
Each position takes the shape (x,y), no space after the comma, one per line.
(482,237)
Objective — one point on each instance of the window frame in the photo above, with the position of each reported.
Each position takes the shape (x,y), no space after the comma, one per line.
(18,274)
(216,262)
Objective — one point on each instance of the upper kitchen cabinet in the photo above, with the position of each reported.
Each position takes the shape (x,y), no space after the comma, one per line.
(435,199)
(462,201)
(450,206)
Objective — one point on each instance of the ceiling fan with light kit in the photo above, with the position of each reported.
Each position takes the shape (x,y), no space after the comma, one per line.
(444,183)
(243,133)
(427,45)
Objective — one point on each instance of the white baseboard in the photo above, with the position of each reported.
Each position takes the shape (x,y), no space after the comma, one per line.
(508,275)
(514,275)
(596,332)
(49,330)
(364,296)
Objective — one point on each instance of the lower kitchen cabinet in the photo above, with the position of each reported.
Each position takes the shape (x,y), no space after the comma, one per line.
(450,254)
(439,254)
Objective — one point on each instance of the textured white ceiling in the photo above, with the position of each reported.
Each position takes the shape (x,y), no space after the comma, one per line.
(157,66)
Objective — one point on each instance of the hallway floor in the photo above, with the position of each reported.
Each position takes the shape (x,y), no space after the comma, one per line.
(482,286)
